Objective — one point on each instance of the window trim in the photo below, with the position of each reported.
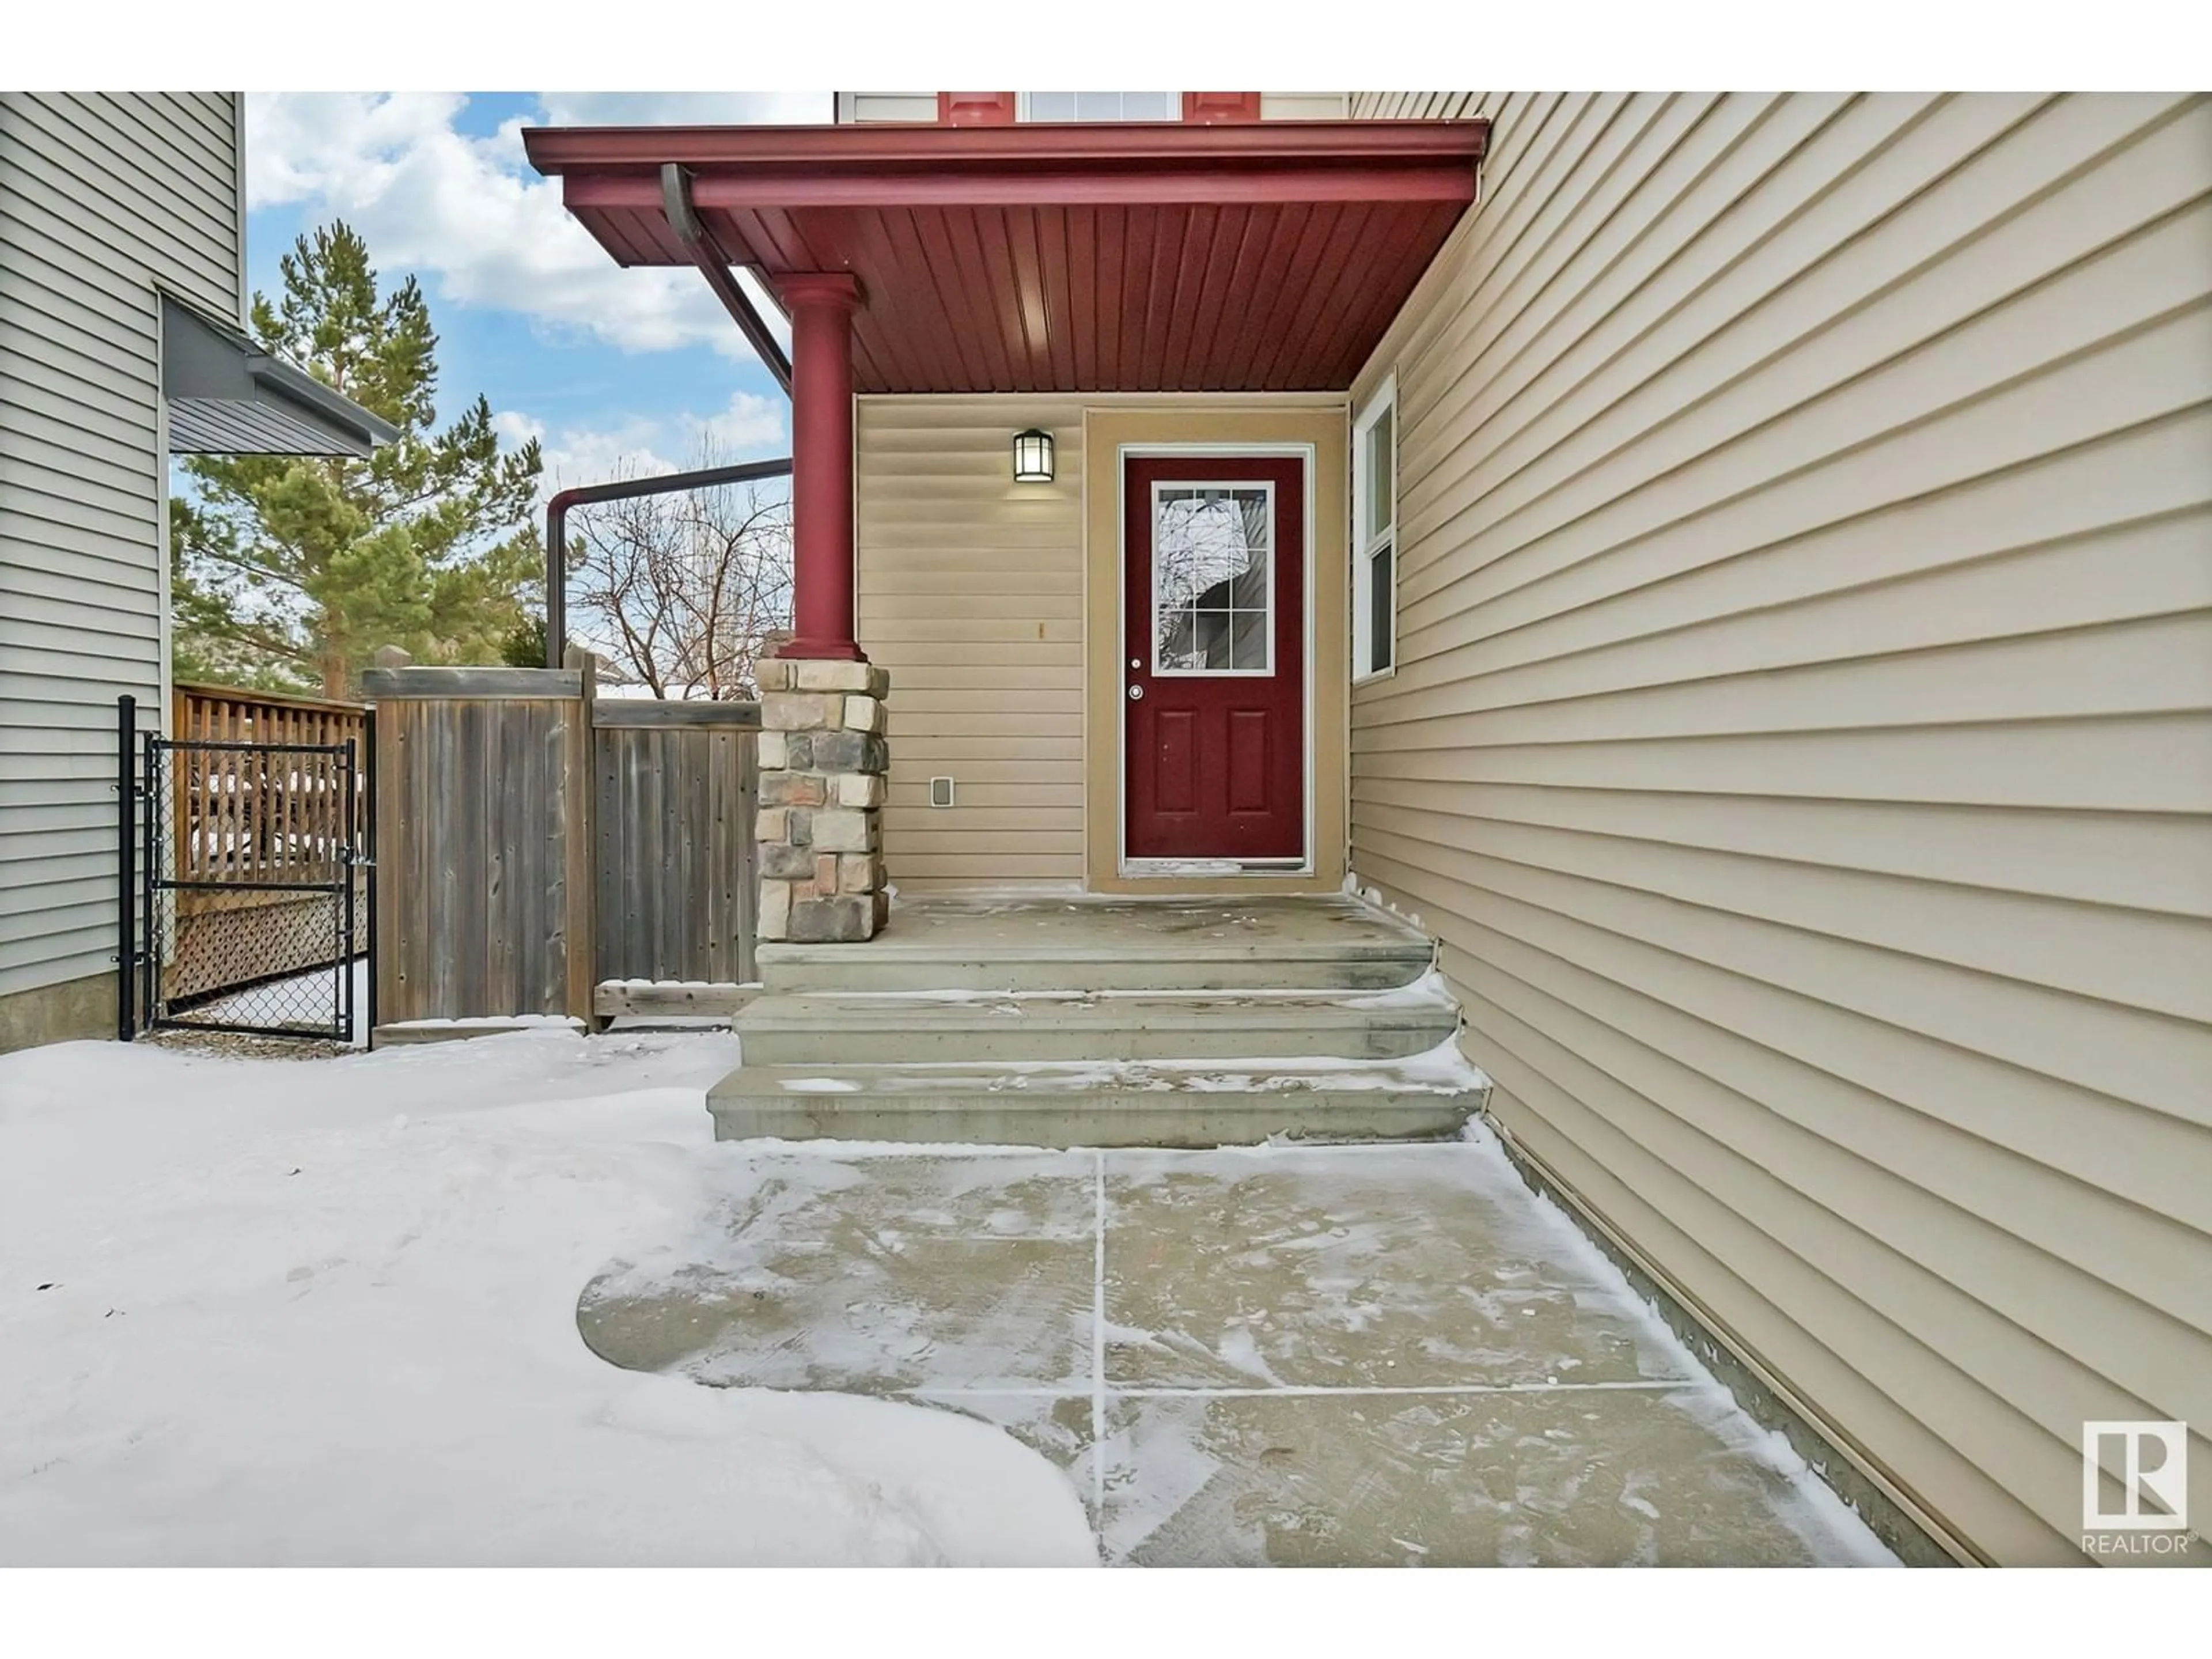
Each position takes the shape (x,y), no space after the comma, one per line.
(1363,547)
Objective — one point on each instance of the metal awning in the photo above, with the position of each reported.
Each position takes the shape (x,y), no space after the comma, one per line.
(228,396)
(1266,256)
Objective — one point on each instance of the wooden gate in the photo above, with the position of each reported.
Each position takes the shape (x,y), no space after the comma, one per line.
(675,786)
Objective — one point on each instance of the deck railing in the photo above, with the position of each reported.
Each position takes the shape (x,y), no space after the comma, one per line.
(239,817)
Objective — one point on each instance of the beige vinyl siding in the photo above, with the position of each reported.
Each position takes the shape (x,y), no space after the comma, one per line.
(971,594)
(886,106)
(1421,105)
(101,197)
(1305,106)
(1801,739)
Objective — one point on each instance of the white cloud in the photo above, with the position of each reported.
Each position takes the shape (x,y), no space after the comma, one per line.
(472,216)
(749,428)
(609,109)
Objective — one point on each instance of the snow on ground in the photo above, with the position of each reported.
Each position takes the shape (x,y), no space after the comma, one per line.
(259,1312)
(493,1022)
(304,1000)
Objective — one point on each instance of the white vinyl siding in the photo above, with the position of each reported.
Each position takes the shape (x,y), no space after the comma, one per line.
(971,594)
(1801,738)
(101,197)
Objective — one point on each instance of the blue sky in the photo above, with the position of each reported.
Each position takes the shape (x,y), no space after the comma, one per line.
(608,368)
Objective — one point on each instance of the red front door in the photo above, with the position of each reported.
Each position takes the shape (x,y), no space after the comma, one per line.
(1213,659)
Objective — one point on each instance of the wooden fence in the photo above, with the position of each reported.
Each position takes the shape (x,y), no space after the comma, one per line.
(540,852)
(242,816)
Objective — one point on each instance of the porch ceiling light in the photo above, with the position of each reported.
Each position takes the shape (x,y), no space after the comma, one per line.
(1033,457)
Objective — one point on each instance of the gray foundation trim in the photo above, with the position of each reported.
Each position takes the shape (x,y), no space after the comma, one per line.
(1918,1541)
(67,1013)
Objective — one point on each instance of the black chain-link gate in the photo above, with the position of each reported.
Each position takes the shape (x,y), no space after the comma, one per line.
(249,896)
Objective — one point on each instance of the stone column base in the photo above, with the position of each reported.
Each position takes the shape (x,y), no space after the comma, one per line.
(823,757)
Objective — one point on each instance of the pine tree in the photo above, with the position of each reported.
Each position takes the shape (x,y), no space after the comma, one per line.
(290,571)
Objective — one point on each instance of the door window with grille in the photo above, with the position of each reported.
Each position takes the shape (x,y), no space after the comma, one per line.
(1213,601)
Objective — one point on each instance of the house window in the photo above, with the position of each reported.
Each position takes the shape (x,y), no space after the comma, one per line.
(1100,106)
(1375,535)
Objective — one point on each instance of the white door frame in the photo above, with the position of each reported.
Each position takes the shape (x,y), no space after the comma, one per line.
(1184,869)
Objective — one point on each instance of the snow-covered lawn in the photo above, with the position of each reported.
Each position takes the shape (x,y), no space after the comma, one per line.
(272,1312)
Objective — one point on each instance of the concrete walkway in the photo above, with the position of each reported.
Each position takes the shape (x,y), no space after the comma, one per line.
(1295,1355)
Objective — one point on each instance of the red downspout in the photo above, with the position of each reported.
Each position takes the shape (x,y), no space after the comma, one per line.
(706,253)
(714,265)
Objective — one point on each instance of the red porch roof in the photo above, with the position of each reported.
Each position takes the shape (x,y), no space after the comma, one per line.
(1109,257)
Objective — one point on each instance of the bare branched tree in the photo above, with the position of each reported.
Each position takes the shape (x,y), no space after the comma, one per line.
(681,593)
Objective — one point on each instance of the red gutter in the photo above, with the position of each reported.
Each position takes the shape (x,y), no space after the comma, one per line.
(1124,146)
(793,187)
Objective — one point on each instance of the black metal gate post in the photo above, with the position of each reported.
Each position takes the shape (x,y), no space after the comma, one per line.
(368,767)
(126,875)
(153,801)
(347,934)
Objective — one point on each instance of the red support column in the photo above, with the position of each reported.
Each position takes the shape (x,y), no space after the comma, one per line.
(822,304)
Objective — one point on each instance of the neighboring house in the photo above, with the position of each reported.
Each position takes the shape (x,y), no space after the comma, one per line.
(122,307)
(1742,585)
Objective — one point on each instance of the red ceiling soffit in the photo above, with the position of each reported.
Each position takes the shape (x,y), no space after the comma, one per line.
(1237,255)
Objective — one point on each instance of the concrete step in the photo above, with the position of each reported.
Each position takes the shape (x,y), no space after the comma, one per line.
(1132,1104)
(1318,942)
(853,1029)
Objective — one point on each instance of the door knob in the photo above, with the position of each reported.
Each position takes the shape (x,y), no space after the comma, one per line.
(1136,694)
